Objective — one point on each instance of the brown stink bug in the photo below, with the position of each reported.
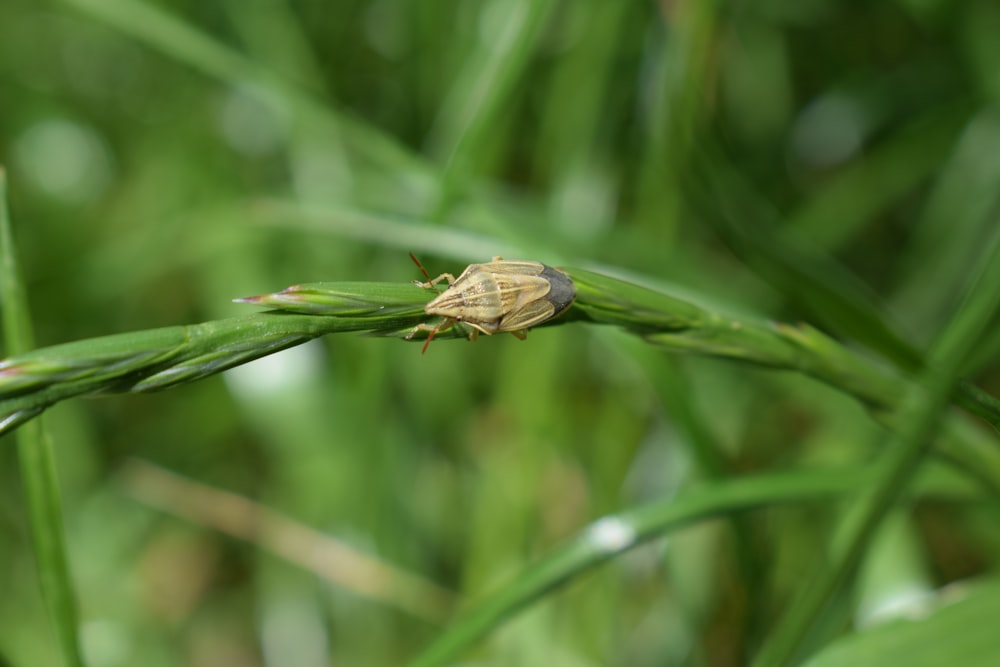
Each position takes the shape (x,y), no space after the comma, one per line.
(497,296)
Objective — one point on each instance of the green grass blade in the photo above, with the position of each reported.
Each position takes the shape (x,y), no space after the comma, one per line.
(159,358)
(171,36)
(609,537)
(961,210)
(681,62)
(951,632)
(816,281)
(484,87)
(406,234)
(682,326)
(37,462)
(795,266)
(920,417)
(840,213)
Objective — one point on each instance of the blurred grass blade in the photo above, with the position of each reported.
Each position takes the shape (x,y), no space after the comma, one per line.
(920,417)
(382,229)
(840,213)
(324,555)
(492,67)
(611,536)
(678,325)
(960,213)
(167,34)
(951,632)
(16,321)
(36,459)
(817,283)
(682,51)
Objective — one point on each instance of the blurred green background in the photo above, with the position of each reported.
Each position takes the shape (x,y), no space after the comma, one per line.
(166,157)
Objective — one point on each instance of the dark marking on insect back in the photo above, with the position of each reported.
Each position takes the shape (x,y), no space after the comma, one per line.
(563,291)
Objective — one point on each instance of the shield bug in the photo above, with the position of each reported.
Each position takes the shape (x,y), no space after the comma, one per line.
(496,297)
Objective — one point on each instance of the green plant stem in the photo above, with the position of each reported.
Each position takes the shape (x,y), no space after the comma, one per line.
(679,325)
(37,462)
(156,359)
(668,322)
(160,358)
(920,416)
(610,536)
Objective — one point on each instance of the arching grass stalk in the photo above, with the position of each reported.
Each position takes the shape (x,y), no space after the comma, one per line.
(160,358)
(920,419)
(143,361)
(670,323)
(37,463)
(610,536)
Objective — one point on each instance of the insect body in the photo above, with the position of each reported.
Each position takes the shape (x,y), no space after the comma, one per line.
(498,296)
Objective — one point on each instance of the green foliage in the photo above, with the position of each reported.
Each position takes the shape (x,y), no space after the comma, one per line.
(807,188)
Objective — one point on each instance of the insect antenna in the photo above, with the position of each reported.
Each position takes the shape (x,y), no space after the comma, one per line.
(420,266)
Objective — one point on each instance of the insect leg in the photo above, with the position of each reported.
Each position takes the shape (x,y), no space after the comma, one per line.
(430,283)
(433,330)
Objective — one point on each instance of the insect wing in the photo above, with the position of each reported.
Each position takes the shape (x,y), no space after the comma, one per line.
(532,313)
(518,290)
(516,268)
